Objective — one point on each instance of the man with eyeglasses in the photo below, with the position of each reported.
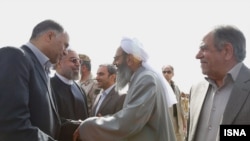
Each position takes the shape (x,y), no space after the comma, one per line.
(177,112)
(70,98)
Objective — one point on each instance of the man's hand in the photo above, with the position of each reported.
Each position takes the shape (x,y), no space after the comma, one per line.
(99,115)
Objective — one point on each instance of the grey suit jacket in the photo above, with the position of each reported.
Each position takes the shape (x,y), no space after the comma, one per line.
(237,110)
(27,110)
(110,105)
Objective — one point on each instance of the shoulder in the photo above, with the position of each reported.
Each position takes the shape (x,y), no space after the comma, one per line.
(144,74)
(243,78)
(244,70)
(117,93)
(11,51)
(202,85)
(15,55)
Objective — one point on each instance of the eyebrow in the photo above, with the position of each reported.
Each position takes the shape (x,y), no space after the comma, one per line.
(100,73)
(203,46)
(117,56)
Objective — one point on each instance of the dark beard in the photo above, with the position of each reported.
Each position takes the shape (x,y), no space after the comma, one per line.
(123,76)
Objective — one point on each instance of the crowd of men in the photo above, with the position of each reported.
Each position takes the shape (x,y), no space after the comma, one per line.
(75,105)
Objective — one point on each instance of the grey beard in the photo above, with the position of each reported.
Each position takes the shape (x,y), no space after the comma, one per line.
(74,76)
(123,77)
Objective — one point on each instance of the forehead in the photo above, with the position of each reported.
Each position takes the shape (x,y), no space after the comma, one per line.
(71,54)
(102,69)
(208,41)
(209,38)
(167,68)
(63,37)
(119,51)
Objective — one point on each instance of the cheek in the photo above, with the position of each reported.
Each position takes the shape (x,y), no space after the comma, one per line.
(214,60)
(168,76)
(61,47)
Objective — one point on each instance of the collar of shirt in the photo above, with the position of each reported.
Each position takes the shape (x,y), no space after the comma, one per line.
(233,73)
(42,58)
(65,80)
(235,70)
(108,89)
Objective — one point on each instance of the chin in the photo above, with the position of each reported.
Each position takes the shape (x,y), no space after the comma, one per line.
(204,72)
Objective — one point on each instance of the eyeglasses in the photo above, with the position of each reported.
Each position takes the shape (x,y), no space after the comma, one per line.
(75,60)
(169,72)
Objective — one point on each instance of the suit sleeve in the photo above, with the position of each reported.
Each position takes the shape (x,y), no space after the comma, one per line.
(15,121)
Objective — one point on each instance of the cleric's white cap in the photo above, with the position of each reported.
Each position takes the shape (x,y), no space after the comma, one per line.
(134,47)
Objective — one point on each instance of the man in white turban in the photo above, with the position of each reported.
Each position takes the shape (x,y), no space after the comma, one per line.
(145,115)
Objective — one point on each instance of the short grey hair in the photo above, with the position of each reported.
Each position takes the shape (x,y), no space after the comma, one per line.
(230,34)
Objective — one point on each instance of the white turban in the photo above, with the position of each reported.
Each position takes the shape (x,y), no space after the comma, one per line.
(134,47)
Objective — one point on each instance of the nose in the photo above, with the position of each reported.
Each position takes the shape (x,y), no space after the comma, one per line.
(97,78)
(65,52)
(78,63)
(115,63)
(199,55)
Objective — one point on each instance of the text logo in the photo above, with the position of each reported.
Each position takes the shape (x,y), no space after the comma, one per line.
(240,132)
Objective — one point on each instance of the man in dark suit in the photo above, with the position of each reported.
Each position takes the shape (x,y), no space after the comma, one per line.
(223,98)
(70,98)
(28,112)
(109,101)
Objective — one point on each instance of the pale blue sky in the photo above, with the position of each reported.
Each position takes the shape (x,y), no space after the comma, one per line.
(171,31)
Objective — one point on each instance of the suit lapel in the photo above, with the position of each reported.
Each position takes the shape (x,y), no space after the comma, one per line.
(79,100)
(197,98)
(106,100)
(239,94)
(76,92)
(39,68)
(95,104)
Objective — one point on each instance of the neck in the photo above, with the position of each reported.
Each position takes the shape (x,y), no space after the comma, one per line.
(84,77)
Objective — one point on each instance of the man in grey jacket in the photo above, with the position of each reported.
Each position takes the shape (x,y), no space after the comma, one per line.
(224,97)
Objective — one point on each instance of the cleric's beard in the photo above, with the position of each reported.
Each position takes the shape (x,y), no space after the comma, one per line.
(123,76)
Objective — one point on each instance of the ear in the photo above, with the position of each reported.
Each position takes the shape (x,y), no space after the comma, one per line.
(113,77)
(129,59)
(228,51)
(48,35)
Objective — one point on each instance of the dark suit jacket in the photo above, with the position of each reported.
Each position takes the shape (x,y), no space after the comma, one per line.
(27,109)
(237,110)
(110,105)
(71,107)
